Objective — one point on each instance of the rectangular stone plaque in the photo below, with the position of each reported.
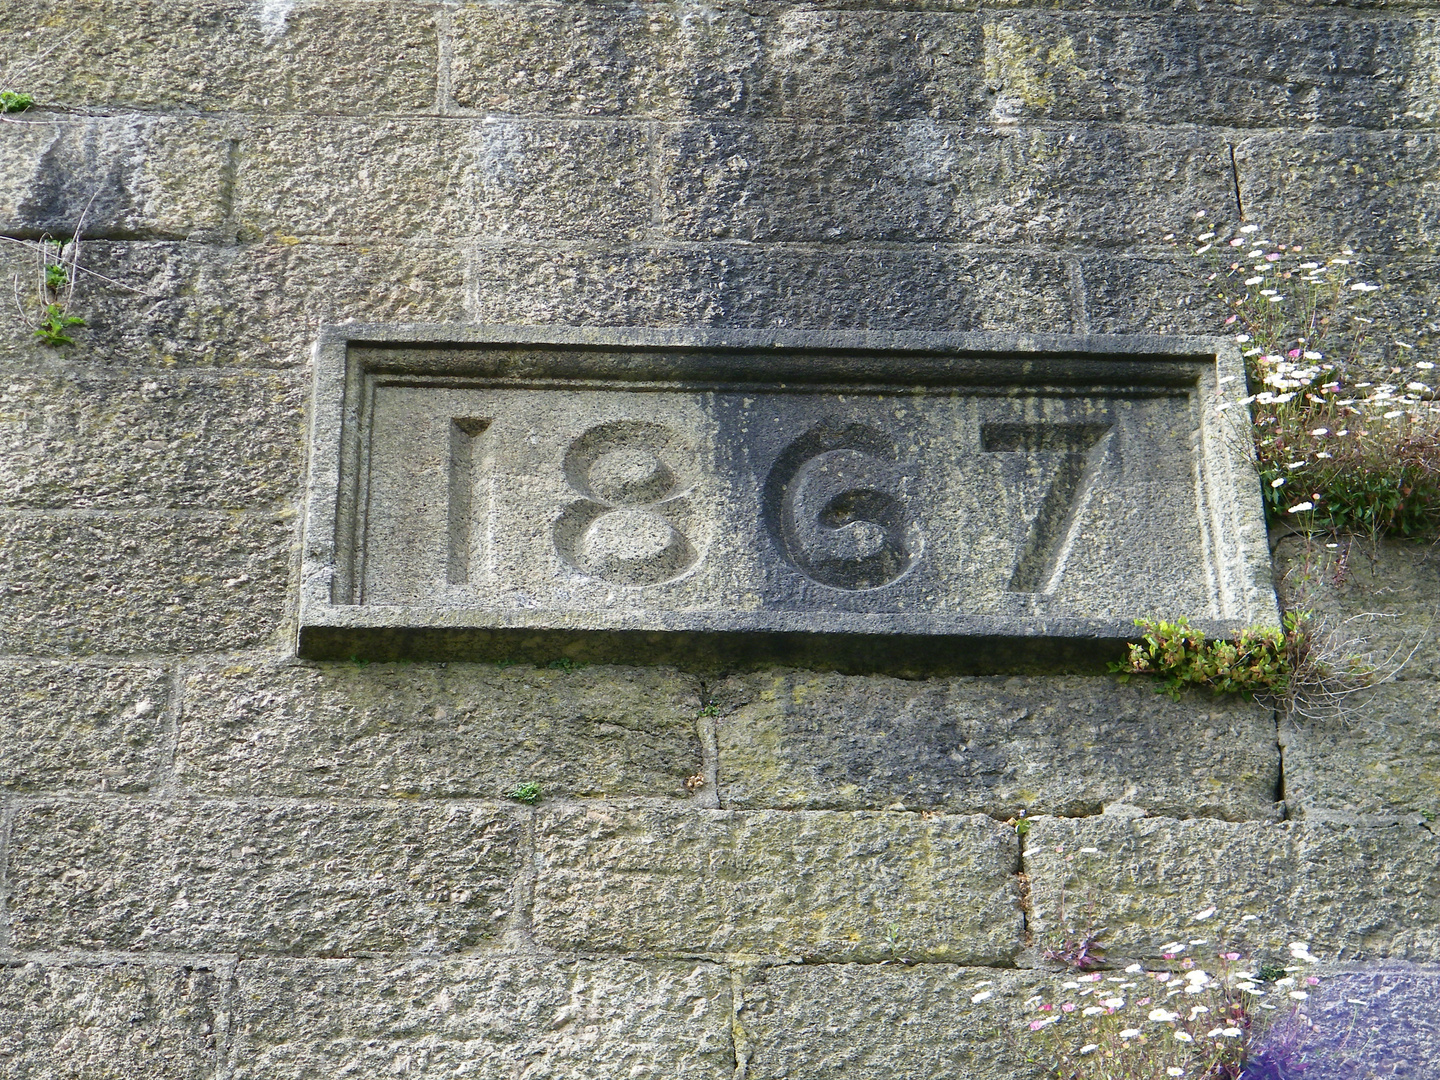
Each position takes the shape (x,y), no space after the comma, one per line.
(853,499)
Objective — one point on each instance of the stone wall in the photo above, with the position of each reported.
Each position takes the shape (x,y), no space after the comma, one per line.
(218,861)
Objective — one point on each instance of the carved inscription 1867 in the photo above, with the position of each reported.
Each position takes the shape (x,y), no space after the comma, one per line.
(916,484)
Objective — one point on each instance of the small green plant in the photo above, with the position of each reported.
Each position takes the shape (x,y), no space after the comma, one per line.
(564,664)
(708,709)
(11,101)
(53,324)
(1258,660)
(56,277)
(527,793)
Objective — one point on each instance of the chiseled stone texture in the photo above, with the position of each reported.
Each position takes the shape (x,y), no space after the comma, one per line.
(1202,68)
(110,1022)
(437,731)
(739,286)
(885,1021)
(354,179)
(1056,745)
(126,177)
(488,1019)
(1377,761)
(674,61)
(1351,892)
(923,180)
(70,726)
(578,60)
(76,439)
(139,583)
(1375,757)
(331,56)
(820,885)
(253,305)
(1371,191)
(296,878)
(562,180)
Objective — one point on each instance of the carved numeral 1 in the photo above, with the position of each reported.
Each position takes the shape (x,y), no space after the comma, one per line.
(463,435)
(1081,448)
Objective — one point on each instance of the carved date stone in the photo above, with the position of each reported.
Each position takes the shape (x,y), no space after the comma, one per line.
(861,500)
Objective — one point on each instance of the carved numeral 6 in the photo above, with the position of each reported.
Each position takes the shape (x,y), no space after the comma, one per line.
(837,503)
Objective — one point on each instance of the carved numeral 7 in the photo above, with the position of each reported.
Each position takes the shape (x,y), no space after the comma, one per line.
(1056,526)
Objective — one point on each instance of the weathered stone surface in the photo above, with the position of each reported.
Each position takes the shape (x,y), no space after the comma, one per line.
(354,180)
(255,305)
(568,180)
(76,439)
(661,59)
(112,176)
(924,180)
(304,878)
(330,56)
(1377,758)
(1380,599)
(114,1022)
(870,65)
(65,726)
(736,285)
(883,1021)
(462,729)
(1363,1025)
(138,583)
(1371,191)
(995,746)
(1351,892)
(1375,753)
(1155,295)
(1299,70)
(824,886)
(483,1018)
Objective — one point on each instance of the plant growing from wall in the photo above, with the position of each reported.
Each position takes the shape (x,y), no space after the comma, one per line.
(1334,453)
(12,101)
(56,266)
(1207,1019)
(1258,660)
